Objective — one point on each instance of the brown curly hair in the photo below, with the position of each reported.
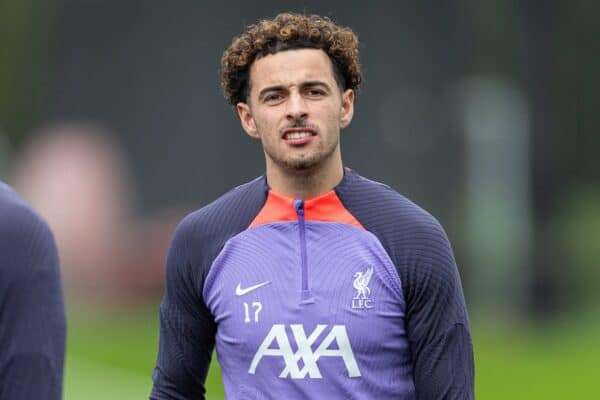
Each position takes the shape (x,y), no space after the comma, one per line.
(288,31)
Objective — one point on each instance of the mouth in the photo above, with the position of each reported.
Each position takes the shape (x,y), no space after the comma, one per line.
(299,135)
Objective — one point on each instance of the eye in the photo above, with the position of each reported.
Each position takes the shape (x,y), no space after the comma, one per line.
(315,92)
(272,97)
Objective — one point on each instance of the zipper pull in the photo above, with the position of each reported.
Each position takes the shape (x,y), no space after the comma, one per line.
(299,207)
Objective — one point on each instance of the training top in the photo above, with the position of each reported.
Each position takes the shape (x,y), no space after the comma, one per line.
(354,294)
(32,316)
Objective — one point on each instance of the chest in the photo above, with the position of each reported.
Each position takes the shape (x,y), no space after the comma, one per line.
(319,291)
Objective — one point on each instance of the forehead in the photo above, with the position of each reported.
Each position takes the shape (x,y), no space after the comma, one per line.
(291,67)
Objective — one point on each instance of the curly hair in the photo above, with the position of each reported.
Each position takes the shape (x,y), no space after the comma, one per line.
(289,31)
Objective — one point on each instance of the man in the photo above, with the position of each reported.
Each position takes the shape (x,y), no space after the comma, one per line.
(32,316)
(312,281)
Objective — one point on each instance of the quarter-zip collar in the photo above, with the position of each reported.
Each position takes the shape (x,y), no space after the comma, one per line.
(325,208)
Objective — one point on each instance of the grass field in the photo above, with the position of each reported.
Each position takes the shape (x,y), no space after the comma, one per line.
(111,356)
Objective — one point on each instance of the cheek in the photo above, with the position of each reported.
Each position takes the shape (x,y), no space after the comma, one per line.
(333,118)
(266,127)
(265,118)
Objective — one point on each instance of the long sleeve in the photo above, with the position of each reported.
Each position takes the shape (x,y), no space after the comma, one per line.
(32,318)
(437,323)
(187,330)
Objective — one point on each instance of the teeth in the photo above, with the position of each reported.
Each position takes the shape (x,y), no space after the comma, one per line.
(297,135)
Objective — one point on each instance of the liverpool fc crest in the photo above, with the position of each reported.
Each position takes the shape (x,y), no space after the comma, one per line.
(363,293)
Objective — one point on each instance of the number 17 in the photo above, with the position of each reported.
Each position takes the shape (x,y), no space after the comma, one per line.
(257,306)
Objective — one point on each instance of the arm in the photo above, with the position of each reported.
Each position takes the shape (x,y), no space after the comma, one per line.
(437,322)
(32,319)
(187,329)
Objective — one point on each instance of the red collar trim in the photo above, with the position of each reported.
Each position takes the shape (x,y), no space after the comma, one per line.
(325,208)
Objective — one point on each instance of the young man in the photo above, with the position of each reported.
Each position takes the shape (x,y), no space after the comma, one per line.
(32,316)
(312,281)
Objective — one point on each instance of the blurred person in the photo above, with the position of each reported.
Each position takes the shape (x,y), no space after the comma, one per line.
(32,316)
(75,175)
(312,281)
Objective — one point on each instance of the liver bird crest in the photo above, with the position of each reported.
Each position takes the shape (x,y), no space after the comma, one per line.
(361,283)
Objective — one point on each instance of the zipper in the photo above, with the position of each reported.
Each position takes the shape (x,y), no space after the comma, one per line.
(299,207)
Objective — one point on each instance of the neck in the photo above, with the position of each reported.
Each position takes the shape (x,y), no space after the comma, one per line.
(305,184)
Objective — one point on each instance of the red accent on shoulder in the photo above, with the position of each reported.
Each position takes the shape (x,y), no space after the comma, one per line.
(325,208)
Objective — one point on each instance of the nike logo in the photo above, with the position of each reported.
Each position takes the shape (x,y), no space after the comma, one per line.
(240,292)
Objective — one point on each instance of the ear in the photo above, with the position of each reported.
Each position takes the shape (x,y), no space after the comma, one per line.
(347,108)
(247,120)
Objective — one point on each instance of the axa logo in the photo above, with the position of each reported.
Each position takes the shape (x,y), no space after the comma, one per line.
(303,362)
(363,293)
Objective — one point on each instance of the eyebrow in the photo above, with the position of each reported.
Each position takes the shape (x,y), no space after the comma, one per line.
(315,83)
(275,88)
(279,88)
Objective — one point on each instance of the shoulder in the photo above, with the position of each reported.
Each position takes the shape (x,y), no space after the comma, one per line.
(18,220)
(12,207)
(202,234)
(412,237)
(392,217)
(233,211)
(24,235)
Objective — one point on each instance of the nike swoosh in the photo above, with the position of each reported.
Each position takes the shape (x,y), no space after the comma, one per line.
(240,292)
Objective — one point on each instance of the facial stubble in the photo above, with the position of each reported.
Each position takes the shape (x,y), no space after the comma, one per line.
(303,164)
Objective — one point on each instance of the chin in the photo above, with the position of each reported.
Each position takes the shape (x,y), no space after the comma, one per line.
(298,166)
(305,164)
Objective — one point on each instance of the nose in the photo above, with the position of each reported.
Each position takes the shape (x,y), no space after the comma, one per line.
(296,107)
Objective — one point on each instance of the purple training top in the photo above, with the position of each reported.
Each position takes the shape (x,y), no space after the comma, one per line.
(351,295)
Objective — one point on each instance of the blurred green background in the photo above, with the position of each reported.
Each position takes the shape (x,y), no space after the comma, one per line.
(113,126)
(111,356)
